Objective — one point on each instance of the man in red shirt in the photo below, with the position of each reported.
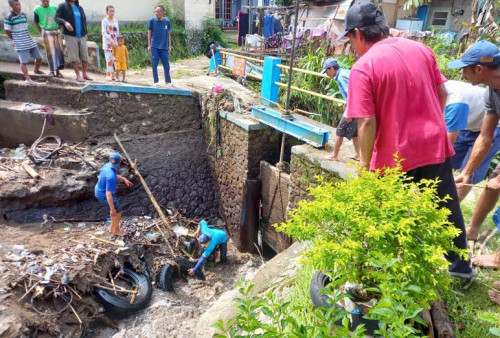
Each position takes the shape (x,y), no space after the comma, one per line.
(397,93)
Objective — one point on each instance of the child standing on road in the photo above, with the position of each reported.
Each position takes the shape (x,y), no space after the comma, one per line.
(120,53)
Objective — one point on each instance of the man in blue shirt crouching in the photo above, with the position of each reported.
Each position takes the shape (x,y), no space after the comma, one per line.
(105,191)
(210,238)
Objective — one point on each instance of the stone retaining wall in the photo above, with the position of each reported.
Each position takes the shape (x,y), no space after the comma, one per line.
(163,132)
(235,157)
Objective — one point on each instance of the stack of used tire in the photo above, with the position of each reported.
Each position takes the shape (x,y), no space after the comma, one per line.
(120,305)
(318,282)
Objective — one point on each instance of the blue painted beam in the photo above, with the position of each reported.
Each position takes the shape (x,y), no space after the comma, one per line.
(313,135)
(136,90)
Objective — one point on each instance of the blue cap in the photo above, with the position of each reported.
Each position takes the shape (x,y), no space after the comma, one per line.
(481,53)
(117,157)
(331,62)
(204,238)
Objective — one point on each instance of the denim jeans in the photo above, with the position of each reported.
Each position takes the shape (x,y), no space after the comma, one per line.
(156,56)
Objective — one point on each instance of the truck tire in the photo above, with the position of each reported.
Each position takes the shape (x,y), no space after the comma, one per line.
(118,306)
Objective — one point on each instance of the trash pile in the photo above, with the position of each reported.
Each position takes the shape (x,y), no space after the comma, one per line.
(93,275)
(48,153)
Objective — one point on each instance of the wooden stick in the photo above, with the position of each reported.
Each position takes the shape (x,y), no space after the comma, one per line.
(30,171)
(132,299)
(74,291)
(151,197)
(110,289)
(440,319)
(112,282)
(29,290)
(93,165)
(108,241)
(76,314)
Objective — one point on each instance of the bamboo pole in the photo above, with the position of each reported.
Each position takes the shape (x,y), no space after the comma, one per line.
(326,97)
(305,71)
(242,56)
(30,171)
(151,197)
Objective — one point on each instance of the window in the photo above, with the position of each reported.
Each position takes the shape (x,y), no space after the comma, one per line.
(440,18)
(223,10)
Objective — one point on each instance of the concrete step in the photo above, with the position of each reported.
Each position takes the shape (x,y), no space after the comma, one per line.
(18,126)
(54,92)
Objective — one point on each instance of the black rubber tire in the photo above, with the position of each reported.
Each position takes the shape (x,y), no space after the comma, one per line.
(166,277)
(169,273)
(318,282)
(117,306)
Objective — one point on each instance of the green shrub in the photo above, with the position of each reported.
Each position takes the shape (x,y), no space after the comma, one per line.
(269,317)
(383,232)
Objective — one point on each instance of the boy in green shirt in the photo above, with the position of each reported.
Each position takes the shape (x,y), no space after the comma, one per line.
(45,21)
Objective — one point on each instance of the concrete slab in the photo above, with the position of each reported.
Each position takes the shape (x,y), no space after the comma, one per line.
(19,126)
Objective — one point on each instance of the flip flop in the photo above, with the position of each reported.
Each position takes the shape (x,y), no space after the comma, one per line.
(88,78)
(39,72)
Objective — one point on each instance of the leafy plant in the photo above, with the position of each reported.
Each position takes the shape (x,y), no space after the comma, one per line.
(269,317)
(492,320)
(383,232)
(330,112)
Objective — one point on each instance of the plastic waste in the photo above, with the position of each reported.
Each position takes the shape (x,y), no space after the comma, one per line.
(19,153)
(82,225)
(68,228)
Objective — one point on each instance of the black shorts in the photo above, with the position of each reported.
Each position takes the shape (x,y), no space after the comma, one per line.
(347,129)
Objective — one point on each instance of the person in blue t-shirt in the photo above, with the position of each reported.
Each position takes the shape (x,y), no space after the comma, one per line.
(160,44)
(105,190)
(210,238)
(347,127)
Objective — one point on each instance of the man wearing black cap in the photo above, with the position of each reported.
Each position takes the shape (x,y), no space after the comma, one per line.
(397,93)
(105,190)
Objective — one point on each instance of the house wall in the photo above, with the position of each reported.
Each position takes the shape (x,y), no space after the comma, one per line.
(196,11)
(95,10)
(457,21)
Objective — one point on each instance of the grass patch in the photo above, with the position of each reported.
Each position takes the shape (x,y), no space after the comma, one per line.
(466,308)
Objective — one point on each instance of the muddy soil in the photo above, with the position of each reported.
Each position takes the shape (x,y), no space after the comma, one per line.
(176,314)
(170,314)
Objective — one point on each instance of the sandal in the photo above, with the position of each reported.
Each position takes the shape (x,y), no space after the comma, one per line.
(59,75)
(39,72)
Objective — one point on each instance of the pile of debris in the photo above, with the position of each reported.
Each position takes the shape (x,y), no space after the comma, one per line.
(58,290)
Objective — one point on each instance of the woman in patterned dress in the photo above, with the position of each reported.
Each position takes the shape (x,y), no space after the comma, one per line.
(110,32)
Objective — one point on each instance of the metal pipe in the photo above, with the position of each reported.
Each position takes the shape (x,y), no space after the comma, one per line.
(290,72)
(326,97)
(305,71)
(292,56)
